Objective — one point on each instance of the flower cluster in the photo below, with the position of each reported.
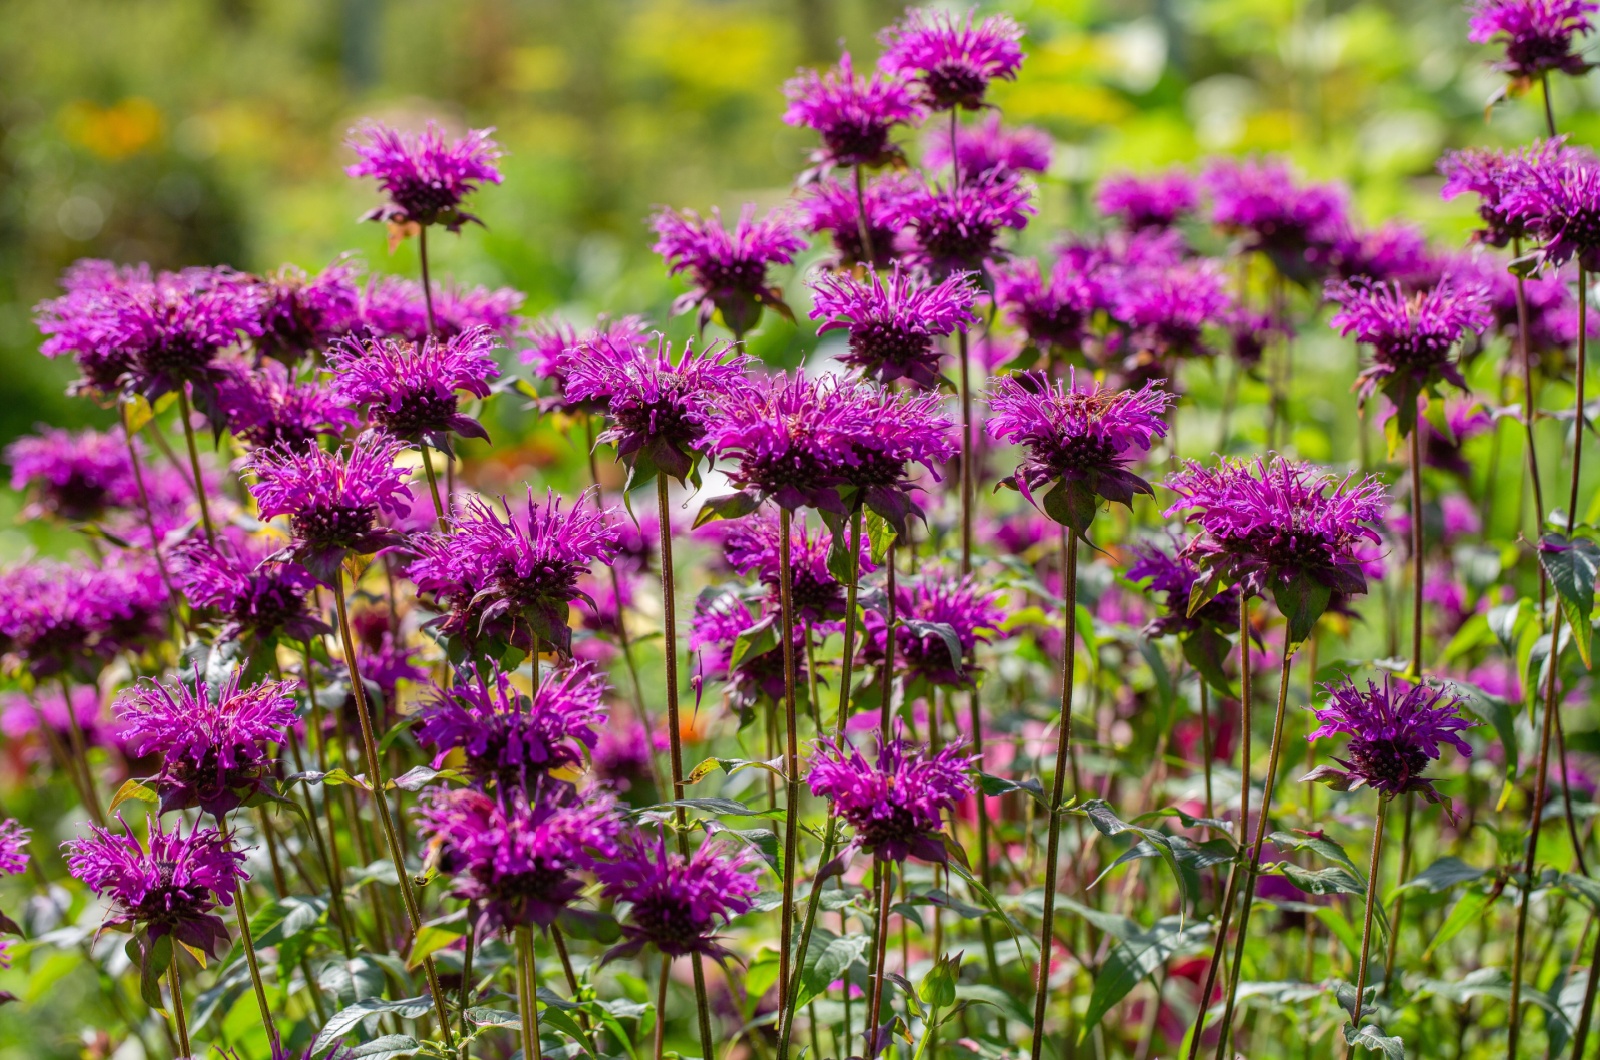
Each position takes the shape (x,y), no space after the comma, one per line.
(254,593)
(898,803)
(951,61)
(424,175)
(727,270)
(1394,732)
(893,325)
(939,621)
(71,475)
(675,903)
(854,115)
(409,389)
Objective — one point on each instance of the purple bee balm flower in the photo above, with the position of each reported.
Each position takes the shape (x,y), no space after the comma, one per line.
(816,442)
(728,270)
(73,475)
(719,620)
(409,388)
(622,761)
(1079,440)
(1559,203)
(952,61)
(1282,526)
(955,228)
(383,656)
(1538,34)
(1394,731)
(1056,314)
(675,903)
(657,407)
(253,592)
(61,618)
(44,714)
(1297,226)
(1492,175)
(896,805)
(854,115)
(171,889)
(266,405)
(507,736)
(893,325)
(332,499)
(424,175)
(1174,574)
(988,147)
(938,615)
(13,847)
(1166,310)
(393,307)
(549,345)
(830,206)
(752,549)
(303,313)
(1394,252)
(508,576)
(212,744)
(516,857)
(1413,336)
(1156,201)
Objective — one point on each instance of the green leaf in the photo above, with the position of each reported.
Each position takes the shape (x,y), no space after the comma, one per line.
(1333,880)
(346,1020)
(1572,565)
(430,939)
(880,535)
(1301,600)
(387,1047)
(1442,875)
(733,765)
(1370,1037)
(990,784)
(284,918)
(134,788)
(418,777)
(154,957)
(1107,823)
(1133,959)
(1207,651)
(828,963)
(1320,845)
(728,506)
(755,641)
(1468,910)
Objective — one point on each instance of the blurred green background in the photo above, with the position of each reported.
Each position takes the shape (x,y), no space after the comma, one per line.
(204,131)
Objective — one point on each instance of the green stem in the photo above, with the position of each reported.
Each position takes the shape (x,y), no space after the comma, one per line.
(1400,898)
(527,994)
(791,751)
(249,944)
(180,1020)
(433,488)
(1372,903)
(194,463)
(427,283)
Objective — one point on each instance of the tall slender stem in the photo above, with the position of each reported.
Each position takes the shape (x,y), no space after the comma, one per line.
(427,282)
(1225,913)
(465,996)
(1528,397)
(80,757)
(330,852)
(180,1020)
(890,636)
(967,454)
(791,762)
(1580,1037)
(380,797)
(1416,552)
(1041,993)
(1549,111)
(880,951)
(433,488)
(249,943)
(661,1008)
(1372,903)
(847,663)
(669,629)
(1205,743)
(1400,898)
(528,994)
(194,463)
(863,226)
(1253,867)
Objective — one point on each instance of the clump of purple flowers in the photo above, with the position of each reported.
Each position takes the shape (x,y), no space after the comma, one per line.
(1538,34)
(1166,309)
(832,207)
(1297,227)
(1174,574)
(409,389)
(1077,439)
(1056,314)
(332,499)
(302,313)
(728,269)
(752,546)
(509,737)
(516,856)
(940,620)
(265,405)
(1156,201)
(1558,202)
(854,115)
(212,743)
(1492,175)
(171,889)
(658,406)
(395,307)
(253,592)
(897,805)
(424,175)
(549,346)
(675,903)
(893,325)
(73,475)
(955,228)
(951,61)
(719,619)
(1394,732)
(989,146)
(64,618)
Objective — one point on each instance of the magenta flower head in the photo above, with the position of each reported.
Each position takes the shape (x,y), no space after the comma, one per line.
(1413,336)
(301,313)
(752,545)
(675,903)
(721,617)
(1167,309)
(1259,201)
(171,889)
(1280,526)
(255,593)
(424,175)
(62,618)
(1394,732)
(13,848)
(508,737)
(853,114)
(265,405)
(939,621)
(989,146)
(517,856)
(212,743)
(1394,252)
(73,475)
(410,389)
(506,577)
(1537,34)
(956,228)
(1174,574)
(332,499)
(548,347)
(728,270)
(394,307)
(1157,201)
(1492,175)
(1078,440)
(1558,203)
(830,206)
(893,325)
(1056,314)
(950,60)
(657,407)
(828,443)
(896,805)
